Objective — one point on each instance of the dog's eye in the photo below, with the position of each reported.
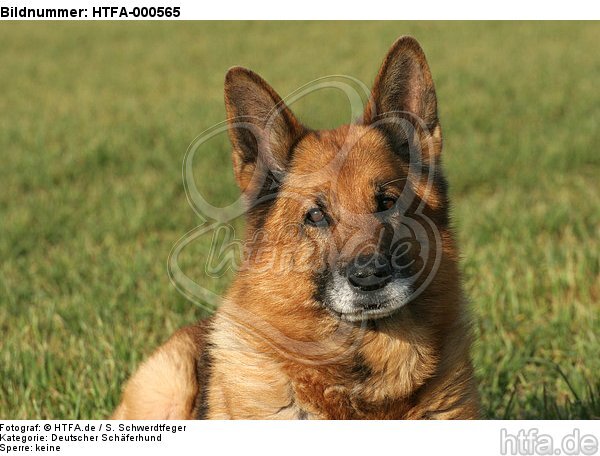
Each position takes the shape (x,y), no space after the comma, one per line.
(386,203)
(316,217)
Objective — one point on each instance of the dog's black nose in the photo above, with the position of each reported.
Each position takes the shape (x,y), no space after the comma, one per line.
(369,272)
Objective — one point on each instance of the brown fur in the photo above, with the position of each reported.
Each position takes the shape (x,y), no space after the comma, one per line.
(273,350)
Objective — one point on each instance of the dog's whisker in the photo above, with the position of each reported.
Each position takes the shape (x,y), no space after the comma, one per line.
(395,180)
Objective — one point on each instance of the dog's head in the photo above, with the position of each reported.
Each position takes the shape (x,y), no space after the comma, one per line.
(351,214)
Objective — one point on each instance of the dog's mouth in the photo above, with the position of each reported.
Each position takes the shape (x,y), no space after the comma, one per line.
(371,313)
(350,304)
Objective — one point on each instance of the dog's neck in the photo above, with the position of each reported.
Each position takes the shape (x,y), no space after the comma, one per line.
(341,369)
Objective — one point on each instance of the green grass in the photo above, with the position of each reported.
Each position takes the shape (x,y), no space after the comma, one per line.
(95,120)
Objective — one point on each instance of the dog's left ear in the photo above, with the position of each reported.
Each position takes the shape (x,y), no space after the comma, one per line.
(262,129)
(403,89)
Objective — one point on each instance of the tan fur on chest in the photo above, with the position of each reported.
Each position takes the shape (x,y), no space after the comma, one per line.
(382,377)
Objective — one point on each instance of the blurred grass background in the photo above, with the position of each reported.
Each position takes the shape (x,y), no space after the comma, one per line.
(95,119)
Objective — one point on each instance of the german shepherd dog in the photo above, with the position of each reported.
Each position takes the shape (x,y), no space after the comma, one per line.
(363,317)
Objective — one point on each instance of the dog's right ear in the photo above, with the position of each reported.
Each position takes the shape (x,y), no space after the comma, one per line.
(404,91)
(262,129)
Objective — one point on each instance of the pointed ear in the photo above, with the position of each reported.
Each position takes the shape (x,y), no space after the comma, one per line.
(403,89)
(262,128)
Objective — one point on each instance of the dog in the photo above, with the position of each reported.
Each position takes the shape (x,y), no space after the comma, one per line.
(361,315)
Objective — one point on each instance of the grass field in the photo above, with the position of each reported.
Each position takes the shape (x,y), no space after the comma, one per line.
(95,120)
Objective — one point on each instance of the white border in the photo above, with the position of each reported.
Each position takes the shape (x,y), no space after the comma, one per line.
(346,10)
(302,438)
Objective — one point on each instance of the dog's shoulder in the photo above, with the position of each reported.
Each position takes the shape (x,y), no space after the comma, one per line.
(167,384)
